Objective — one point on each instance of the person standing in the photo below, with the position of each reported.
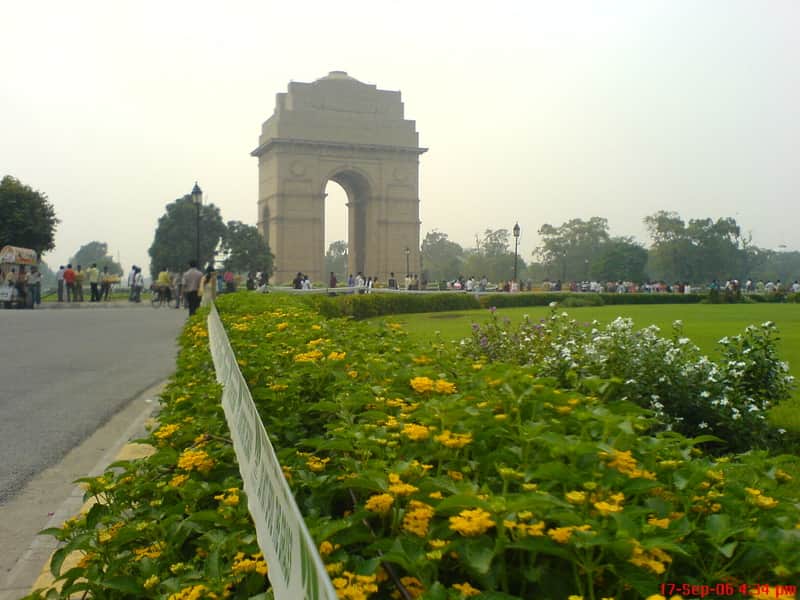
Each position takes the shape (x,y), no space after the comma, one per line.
(69,281)
(60,282)
(93,277)
(392,281)
(79,278)
(191,285)
(208,287)
(105,285)
(35,285)
(332,281)
(138,284)
(131,281)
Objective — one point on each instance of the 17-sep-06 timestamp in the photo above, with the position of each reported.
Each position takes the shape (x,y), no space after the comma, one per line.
(721,590)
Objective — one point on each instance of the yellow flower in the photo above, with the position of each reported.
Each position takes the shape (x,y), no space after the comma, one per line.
(278,387)
(337,355)
(624,462)
(471,522)
(653,559)
(563,410)
(422,384)
(466,589)
(281,326)
(530,487)
(355,587)
(195,460)
(106,535)
(477,366)
(435,495)
(416,432)
(765,502)
(166,431)
(445,387)
(453,440)
(575,497)
(438,544)
(562,535)
(325,548)
(228,498)
(501,417)
(310,356)
(151,551)
(417,517)
(455,475)
(194,592)
(574,597)
(422,360)
(663,523)
(352,374)
(606,508)
(243,565)
(316,464)
(151,582)
(379,503)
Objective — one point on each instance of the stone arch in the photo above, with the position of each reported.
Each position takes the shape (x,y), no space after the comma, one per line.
(339,129)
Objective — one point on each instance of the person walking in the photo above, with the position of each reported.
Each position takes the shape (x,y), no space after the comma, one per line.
(208,287)
(60,283)
(191,284)
(93,277)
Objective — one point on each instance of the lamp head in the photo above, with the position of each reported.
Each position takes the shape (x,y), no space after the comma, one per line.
(197,194)
(516,230)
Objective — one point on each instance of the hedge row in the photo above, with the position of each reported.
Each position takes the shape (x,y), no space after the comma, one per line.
(363,306)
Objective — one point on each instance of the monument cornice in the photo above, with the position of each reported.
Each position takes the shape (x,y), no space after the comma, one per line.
(275,142)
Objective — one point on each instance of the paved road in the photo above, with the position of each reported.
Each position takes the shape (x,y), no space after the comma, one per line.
(63,373)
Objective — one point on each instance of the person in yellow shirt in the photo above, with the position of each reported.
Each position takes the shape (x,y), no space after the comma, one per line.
(163,283)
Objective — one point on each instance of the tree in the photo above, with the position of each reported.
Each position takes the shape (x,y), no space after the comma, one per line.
(569,250)
(492,257)
(28,219)
(442,258)
(336,259)
(621,259)
(245,250)
(176,235)
(96,252)
(701,250)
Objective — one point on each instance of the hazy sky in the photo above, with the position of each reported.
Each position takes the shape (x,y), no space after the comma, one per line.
(535,112)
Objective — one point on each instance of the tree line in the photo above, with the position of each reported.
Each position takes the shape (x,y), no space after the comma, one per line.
(693,251)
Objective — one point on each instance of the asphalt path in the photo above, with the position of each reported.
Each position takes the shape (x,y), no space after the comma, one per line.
(64,373)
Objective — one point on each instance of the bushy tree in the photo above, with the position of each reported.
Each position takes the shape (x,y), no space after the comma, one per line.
(442,258)
(336,259)
(492,256)
(569,250)
(620,259)
(27,218)
(245,250)
(96,252)
(176,235)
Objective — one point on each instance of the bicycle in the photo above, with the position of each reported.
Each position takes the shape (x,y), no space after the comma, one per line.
(159,298)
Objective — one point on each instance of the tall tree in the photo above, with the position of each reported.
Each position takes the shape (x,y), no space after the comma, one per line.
(27,218)
(620,259)
(442,258)
(96,252)
(245,250)
(492,257)
(569,250)
(176,235)
(697,251)
(336,259)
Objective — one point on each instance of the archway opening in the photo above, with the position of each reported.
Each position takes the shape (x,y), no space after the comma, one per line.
(336,232)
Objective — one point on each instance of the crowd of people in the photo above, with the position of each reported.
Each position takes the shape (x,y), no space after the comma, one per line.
(70,283)
(27,283)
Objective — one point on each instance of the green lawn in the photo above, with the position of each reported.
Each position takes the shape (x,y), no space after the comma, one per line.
(702,323)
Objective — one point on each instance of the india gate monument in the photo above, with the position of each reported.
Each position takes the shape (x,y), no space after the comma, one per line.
(339,129)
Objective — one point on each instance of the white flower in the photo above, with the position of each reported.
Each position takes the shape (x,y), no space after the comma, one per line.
(553,304)
(705,394)
(703,425)
(683,341)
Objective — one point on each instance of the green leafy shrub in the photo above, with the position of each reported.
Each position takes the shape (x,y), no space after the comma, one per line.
(689,392)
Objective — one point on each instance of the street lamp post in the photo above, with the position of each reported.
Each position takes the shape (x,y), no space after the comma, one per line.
(197,200)
(516,248)
(407,252)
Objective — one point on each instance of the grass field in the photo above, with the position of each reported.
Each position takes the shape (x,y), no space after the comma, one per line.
(704,324)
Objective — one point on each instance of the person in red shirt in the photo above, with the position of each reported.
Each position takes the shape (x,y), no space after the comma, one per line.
(69,280)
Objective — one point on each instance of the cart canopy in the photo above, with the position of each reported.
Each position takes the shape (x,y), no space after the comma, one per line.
(18,256)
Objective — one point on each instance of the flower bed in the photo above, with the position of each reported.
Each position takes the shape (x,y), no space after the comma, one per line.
(420,473)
